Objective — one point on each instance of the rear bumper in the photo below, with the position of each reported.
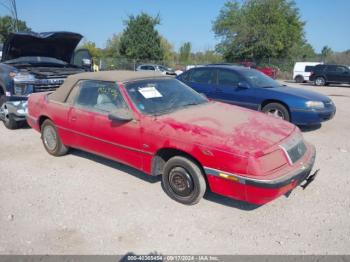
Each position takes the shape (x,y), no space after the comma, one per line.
(258,191)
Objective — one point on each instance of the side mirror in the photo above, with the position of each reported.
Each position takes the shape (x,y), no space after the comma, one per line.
(243,85)
(120,116)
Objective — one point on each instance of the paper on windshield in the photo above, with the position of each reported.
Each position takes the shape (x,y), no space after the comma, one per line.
(149,92)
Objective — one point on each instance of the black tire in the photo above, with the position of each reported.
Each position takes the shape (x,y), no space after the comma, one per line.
(53,146)
(299,79)
(272,108)
(9,121)
(320,81)
(183,180)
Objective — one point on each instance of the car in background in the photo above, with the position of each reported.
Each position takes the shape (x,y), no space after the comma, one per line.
(36,62)
(161,126)
(267,70)
(252,89)
(303,70)
(157,68)
(323,75)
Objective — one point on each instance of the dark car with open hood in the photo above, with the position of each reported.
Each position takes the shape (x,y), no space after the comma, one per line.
(36,62)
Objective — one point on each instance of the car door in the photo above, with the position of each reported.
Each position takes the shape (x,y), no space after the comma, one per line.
(96,132)
(203,80)
(343,74)
(334,73)
(229,90)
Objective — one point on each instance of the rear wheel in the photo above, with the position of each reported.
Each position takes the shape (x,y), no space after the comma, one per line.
(320,81)
(276,110)
(183,180)
(299,79)
(51,139)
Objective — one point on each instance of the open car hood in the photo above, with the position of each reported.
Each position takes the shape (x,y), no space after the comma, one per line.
(59,45)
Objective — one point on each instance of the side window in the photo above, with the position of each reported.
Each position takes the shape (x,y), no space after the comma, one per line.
(340,69)
(185,76)
(331,69)
(100,96)
(228,78)
(73,94)
(309,69)
(151,68)
(203,76)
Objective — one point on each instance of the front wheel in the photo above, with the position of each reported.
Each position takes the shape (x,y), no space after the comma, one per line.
(8,119)
(51,139)
(277,110)
(183,180)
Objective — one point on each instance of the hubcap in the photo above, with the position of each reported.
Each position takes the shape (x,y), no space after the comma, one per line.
(275,113)
(181,182)
(319,81)
(5,114)
(50,138)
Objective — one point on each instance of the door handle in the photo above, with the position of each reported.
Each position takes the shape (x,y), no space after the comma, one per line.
(73,118)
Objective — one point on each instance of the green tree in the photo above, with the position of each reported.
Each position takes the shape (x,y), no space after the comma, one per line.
(7,26)
(326,52)
(113,46)
(303,50)
(258,29)
(140,39)
(185,52)
(167,50)
(95,52)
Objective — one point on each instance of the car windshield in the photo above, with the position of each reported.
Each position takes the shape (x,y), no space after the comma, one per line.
(36,60)
(258,79)
(163,68)
(160,96)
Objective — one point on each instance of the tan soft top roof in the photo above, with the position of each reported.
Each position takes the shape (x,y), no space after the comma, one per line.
(63,91)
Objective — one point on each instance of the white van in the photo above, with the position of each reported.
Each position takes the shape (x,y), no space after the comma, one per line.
(302,71)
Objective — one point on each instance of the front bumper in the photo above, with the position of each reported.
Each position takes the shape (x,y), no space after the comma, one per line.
(260,191)
(312,117)
(18,109)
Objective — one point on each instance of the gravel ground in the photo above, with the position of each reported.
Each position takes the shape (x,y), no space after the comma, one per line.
(83,204)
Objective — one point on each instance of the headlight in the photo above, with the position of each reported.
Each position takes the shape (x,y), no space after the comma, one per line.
(23,77)
(314,104)
(23,89)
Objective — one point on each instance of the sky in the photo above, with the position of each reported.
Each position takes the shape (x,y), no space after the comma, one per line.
(327,21)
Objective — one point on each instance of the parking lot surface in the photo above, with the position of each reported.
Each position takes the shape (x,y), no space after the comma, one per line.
(84,204)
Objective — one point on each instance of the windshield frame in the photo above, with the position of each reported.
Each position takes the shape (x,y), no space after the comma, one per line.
(126,86)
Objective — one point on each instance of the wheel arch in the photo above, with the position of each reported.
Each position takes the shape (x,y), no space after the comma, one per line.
(299,75)
(164,154)
(41,120)
(269,101)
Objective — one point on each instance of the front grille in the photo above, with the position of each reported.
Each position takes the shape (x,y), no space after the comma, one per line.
(296,152)
(45,88)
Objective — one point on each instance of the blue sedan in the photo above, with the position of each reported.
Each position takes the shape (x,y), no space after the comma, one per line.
(251,89)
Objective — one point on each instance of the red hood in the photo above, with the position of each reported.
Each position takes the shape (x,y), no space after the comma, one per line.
(225,127)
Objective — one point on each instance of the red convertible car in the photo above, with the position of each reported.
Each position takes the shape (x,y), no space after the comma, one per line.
(160,126)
